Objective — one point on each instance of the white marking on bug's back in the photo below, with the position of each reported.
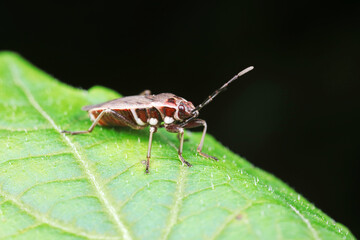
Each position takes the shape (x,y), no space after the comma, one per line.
(153,121)
(85,166)
(168,120)
(137,119)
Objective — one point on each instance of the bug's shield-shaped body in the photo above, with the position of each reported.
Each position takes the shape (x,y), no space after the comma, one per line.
(161,110)
(142,110)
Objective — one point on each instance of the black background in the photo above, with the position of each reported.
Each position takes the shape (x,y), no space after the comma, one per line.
(295,115)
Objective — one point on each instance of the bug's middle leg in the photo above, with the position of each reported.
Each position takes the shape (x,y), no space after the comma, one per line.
(152,131)
(176,129)
(179,138)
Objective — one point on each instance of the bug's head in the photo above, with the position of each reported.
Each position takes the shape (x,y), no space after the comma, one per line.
(186,109)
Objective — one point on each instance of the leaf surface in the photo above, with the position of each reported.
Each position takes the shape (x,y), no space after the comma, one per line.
(57,186)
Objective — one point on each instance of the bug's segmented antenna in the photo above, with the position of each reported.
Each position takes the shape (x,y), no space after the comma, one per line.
(212,96)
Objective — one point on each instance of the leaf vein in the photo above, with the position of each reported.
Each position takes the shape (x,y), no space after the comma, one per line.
(49,182)
(141,189)
(24,230)
(24,129)
(68,200)
(54,223)
(307,222)
(205,189)
(111,178)
(178,196)
(194,214)
(35,156)
(101,194)
(233,216)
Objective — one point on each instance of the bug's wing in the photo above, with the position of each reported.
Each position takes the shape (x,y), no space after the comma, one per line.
(89,107)
(138,101)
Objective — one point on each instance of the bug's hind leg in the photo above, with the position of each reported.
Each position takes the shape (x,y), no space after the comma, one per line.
(91,127)
(152,131)
(197,123)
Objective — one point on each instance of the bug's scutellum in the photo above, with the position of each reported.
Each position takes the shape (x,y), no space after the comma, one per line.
(162,110)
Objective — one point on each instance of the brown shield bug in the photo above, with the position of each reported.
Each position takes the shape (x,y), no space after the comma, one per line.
(162,110)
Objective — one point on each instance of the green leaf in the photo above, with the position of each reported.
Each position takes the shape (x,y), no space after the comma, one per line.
(57,186)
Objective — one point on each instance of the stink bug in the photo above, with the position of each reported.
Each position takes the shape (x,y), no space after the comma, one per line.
(162,110)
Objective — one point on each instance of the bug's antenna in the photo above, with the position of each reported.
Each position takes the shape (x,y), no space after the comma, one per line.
(212,96)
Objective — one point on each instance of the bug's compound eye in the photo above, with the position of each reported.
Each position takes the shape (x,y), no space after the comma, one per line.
(181,107)
(182,111)
(185,109)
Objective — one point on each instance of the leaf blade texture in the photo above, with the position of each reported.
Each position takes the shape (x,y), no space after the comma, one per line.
(93,186)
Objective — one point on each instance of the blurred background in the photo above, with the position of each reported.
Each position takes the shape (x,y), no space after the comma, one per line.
(295,115)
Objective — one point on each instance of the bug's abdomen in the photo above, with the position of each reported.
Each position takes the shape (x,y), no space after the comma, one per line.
(128,117)
(153,116)
(111,119)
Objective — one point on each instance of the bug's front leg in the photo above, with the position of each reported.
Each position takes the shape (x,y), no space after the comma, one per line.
(153,129)
(176,129)
(198,123)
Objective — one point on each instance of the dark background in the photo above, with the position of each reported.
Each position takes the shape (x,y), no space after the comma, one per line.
(295,115)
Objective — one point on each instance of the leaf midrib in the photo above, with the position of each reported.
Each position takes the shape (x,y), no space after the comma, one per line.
(110,209)
(54,223)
